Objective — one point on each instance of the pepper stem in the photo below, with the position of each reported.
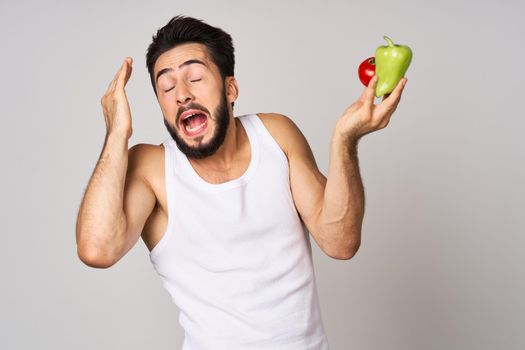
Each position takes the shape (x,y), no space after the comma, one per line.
(389,41)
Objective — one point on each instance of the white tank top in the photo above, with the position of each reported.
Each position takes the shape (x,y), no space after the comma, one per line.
(236,258)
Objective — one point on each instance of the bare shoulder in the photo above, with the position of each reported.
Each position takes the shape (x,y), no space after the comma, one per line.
(144,157)
(147,162)
(283,129)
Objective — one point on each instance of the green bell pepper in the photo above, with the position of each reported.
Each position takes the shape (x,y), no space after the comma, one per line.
(392,62)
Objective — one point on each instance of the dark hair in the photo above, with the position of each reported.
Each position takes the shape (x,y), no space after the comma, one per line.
(181,30)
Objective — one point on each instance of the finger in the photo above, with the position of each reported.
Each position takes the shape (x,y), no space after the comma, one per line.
(113,82)
(390,102)
(395,95)
(369,93)
(124,73)
(128,73)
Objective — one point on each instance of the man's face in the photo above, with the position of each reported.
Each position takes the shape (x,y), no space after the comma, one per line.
(189,83)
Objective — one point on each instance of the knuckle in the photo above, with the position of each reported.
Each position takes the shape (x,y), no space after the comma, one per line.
(111,97)
(390,107)
(376,123)
(380,124)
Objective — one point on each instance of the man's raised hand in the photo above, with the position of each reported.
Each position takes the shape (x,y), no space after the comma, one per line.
(364,117)
(115,103)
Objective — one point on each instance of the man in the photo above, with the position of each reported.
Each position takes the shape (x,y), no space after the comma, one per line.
(226,205)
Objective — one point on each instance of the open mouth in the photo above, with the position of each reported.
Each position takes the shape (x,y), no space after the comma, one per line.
(194,123)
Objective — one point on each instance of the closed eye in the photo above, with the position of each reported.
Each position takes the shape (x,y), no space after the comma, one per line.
(193,81)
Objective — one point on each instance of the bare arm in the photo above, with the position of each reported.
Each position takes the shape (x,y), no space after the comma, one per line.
(341,216)
(101,220)
(333,208)
(343,209)
(111,217)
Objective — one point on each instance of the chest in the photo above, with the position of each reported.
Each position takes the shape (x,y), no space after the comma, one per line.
(218,176)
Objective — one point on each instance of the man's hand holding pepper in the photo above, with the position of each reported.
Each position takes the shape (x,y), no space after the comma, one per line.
(364,117)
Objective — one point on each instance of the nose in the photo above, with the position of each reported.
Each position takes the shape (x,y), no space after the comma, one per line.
(184,95)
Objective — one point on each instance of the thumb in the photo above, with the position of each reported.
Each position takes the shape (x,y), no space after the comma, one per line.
(367,97)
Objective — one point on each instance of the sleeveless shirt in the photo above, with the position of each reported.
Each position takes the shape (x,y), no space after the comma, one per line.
(235,258)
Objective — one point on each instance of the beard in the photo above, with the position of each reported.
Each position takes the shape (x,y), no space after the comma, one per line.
(203,150)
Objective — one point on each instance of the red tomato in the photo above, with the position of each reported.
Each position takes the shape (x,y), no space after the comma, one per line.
(366,70)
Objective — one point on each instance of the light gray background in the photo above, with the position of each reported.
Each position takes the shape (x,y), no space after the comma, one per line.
(441,261)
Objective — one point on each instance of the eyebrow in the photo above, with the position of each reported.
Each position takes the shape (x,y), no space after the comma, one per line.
(187,63)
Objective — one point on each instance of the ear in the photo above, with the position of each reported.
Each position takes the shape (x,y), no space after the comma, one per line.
(232,89)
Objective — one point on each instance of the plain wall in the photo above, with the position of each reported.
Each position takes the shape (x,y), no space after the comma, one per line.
(441,265)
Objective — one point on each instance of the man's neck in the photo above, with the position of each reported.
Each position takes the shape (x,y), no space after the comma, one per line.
(228,152)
